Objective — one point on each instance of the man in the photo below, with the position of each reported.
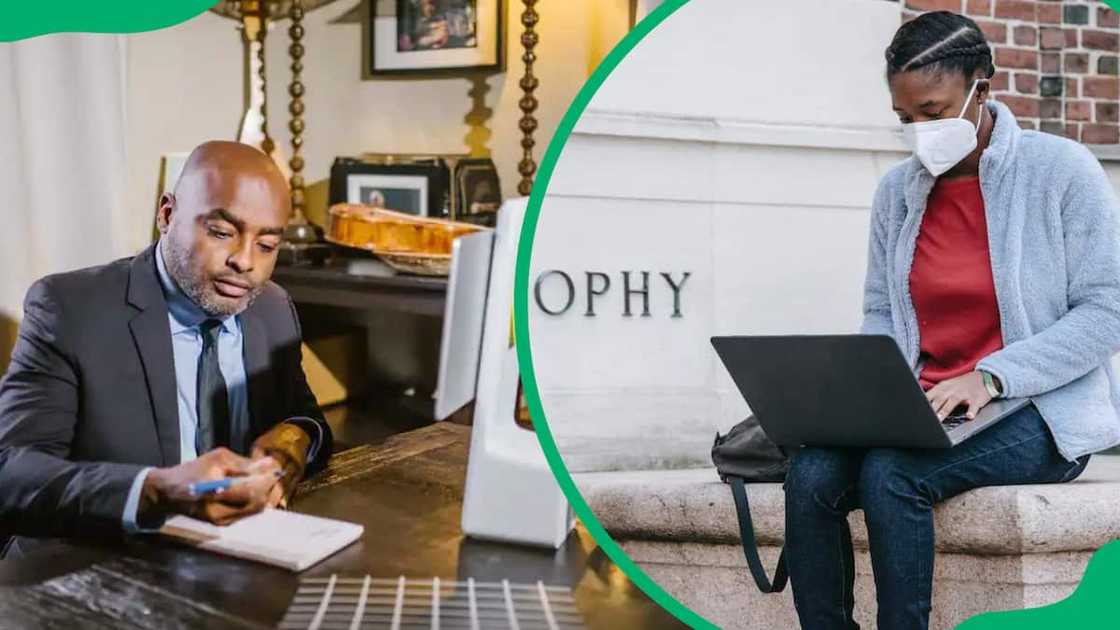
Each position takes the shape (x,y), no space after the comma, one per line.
(130,381)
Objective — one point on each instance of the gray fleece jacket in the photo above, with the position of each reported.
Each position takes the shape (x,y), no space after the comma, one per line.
(1054,241)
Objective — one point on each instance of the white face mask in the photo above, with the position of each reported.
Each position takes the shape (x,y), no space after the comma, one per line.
(942,144)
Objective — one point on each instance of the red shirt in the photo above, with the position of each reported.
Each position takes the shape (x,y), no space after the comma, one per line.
(951,283)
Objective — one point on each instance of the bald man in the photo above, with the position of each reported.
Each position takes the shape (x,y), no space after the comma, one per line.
(130,381)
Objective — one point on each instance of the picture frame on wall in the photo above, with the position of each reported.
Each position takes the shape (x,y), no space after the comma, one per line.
(420,38)
(419,189)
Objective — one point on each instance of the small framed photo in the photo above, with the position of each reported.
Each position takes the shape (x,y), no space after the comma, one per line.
(424,37)
(418,189)
(477,191)
(403,193)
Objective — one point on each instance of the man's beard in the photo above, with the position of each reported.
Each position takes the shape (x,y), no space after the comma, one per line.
(200,290)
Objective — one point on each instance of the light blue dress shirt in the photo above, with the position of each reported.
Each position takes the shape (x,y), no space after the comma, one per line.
(184,318)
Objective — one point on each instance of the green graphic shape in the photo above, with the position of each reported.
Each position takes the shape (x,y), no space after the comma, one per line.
(521,320)
(1086,608)
(1092,605)
(25,19)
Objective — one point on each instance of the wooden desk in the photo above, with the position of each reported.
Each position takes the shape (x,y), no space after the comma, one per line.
(335,286)
(399,315)
(407,492)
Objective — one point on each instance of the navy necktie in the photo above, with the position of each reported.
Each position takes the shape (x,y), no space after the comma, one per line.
(213,401)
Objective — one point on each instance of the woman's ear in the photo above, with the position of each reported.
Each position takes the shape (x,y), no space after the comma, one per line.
(983,89)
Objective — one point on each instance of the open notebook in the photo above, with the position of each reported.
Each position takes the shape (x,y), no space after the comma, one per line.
(285,539)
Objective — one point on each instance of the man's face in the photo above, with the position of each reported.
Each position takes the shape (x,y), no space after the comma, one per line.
(221,232)
(427,8)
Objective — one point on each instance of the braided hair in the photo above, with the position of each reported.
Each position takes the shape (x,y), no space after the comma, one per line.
(940,41)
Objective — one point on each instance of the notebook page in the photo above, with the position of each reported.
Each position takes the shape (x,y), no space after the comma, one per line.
(279,537)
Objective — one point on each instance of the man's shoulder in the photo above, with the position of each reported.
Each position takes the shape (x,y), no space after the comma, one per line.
(274,307)
(273,296)
(88,286)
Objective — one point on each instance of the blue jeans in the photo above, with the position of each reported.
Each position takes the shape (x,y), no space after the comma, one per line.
(897,489)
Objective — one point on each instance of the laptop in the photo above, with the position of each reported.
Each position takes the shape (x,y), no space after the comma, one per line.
(843,390)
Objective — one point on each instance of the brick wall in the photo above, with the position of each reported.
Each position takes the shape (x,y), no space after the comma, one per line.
(1056,61)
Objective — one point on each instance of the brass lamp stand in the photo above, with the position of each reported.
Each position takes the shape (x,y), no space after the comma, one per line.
(303,241)
(528,103)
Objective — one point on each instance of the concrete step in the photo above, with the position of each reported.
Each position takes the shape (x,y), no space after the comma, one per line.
(998,548)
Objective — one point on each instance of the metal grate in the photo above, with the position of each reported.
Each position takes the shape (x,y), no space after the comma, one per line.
(341,603)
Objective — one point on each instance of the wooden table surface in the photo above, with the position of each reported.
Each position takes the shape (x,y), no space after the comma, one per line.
(333,285)
(407,491)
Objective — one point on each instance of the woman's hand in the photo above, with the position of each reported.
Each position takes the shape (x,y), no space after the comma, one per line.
(967,389)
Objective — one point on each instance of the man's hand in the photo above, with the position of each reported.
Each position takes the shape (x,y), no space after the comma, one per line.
(287,444)
(166,490)
(967,389)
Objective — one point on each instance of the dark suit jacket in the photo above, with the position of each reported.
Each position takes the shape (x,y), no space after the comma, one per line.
(90,395)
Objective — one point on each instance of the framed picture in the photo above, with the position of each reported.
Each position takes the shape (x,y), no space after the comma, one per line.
(424,37)
(419,188)
(477,190)
(403,193)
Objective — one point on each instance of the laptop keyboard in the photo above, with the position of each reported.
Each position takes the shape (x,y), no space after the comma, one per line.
(954,421)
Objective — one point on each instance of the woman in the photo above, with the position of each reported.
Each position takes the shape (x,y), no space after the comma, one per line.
(994,262)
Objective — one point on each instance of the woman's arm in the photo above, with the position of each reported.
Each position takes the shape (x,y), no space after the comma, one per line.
(1089,333)
(876,298)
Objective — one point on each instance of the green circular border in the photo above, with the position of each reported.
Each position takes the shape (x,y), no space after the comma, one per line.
(521,320)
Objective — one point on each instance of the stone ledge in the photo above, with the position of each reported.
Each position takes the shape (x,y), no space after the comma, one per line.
(1065,568)
(694,506)
(998,548)
(712,579)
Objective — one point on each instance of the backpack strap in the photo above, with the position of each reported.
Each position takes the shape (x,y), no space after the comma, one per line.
(750,544)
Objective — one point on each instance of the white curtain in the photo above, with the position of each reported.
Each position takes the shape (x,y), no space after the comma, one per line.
(62,159)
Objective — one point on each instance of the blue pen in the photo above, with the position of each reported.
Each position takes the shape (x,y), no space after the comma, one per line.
(200,488)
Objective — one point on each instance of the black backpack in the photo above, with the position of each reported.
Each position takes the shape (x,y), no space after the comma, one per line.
(743,456)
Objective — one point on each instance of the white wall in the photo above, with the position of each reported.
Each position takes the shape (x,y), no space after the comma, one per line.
(185,86)
(804,62)
(726,147)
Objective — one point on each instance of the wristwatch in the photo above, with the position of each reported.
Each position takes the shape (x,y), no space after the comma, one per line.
(992,384)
